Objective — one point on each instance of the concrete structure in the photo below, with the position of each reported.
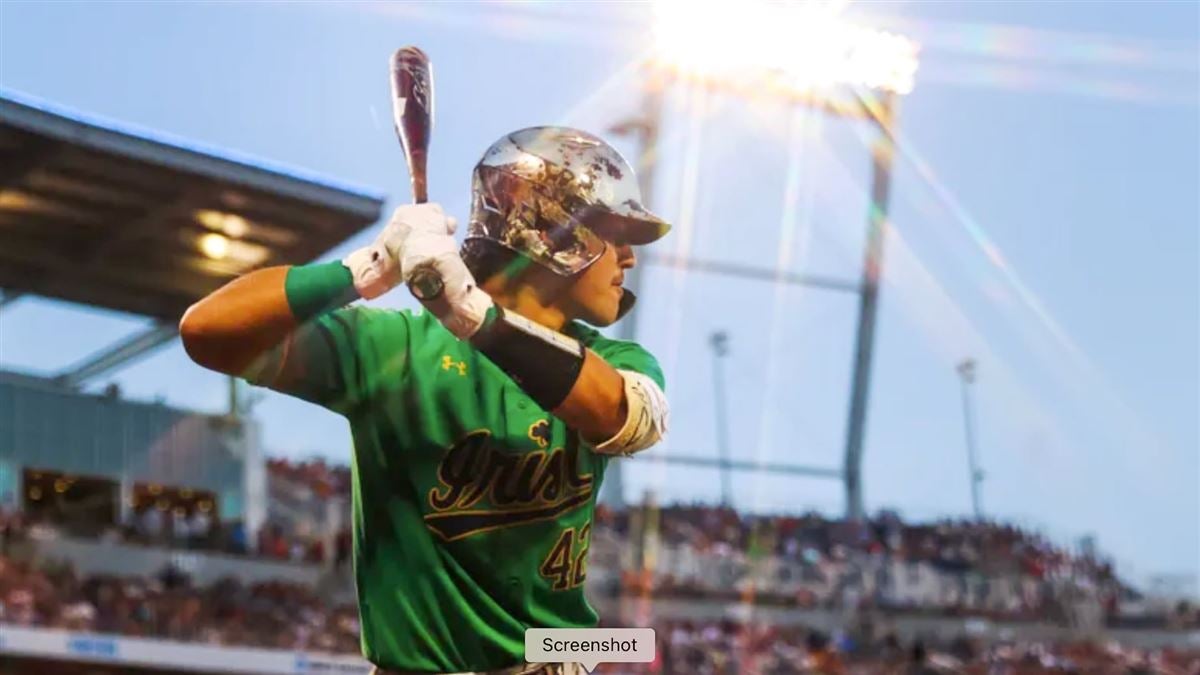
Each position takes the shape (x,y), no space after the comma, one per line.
(45,426)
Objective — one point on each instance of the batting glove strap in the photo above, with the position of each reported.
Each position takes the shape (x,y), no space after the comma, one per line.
(543,362)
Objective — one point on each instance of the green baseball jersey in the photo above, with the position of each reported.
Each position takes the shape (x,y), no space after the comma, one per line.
(472,505)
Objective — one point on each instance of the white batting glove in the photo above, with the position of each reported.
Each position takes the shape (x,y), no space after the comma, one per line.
(377,267)
(431,243)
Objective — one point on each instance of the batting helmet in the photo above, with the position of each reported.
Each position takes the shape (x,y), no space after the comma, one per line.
(555,195)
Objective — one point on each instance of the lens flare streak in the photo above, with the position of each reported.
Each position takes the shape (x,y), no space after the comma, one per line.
(1089,372)
(795,236)
(684,230)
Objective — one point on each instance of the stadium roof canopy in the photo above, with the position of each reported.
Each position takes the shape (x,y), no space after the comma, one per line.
(103,214)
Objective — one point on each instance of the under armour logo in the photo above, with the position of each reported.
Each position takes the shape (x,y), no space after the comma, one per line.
(448,363)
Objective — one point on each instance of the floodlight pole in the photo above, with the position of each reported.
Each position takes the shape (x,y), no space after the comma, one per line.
(966,371)
(719,341)
(881,107)
(877,225)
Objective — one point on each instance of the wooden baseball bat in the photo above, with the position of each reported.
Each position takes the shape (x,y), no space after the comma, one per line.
(412,113)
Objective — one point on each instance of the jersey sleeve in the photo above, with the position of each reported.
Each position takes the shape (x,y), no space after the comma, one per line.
(632,356)
(328,359)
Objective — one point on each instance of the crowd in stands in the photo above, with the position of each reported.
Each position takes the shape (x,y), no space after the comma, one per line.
(987,548)
(985,569)
(274,541)
(195,529)
(300,495)
(180,529)
(725,647)
(881,567)
(154,527)
(276,615)
(323,479)
(833,565)
(979,568)
(288,616)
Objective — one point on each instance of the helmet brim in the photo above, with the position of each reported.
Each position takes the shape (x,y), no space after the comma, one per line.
(628,223)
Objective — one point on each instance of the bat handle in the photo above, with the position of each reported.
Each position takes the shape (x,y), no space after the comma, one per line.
(420,188)
(425,283)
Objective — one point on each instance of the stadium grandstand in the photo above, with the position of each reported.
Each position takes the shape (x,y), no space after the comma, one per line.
(140,538)
(111,488)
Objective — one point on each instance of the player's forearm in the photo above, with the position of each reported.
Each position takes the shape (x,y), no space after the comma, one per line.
(239,322)
(617,411)
(595,405)
(226,330)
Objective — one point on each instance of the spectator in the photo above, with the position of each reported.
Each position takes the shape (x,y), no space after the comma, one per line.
(237,537)
(181,532)
(152,524)
(200,528)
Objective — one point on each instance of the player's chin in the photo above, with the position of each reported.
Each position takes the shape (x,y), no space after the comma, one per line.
(603,320)
(603,314)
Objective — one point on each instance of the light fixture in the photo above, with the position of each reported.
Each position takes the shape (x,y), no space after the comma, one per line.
(235,226)
(802,46)
(229,224)
(215,246)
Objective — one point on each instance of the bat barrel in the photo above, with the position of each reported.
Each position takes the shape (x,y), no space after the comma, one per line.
(412,110)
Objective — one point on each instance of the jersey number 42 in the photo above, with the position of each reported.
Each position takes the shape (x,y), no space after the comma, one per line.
(566,564)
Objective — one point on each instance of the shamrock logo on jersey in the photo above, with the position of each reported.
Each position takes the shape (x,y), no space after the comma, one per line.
(539,431)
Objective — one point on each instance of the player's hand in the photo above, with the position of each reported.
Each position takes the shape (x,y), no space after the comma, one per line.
(377,268)
(429,243)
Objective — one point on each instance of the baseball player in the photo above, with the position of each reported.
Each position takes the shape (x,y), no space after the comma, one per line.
(482,423)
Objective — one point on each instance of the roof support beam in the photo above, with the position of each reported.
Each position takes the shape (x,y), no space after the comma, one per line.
(738,465)
(119,354)
(750,272)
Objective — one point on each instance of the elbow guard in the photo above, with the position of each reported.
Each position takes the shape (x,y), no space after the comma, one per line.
(646,419)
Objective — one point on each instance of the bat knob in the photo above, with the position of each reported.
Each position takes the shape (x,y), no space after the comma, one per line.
(426,284)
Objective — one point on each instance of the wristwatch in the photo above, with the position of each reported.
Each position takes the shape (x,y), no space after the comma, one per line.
(426,284)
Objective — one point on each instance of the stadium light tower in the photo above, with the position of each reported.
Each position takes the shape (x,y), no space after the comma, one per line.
(719,341)
(966,371)
(799,54)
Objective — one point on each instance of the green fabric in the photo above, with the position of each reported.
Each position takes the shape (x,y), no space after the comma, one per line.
(472,505)
(317,288)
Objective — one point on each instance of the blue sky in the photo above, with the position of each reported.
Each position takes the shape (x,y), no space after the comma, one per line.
(1045,220)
